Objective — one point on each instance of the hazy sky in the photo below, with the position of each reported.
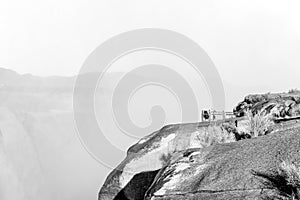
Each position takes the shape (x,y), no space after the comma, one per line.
(251,42)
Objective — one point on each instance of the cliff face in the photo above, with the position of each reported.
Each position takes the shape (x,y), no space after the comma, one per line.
(21,173)
(41,157)
(144,160)
(223,171)
(173,163)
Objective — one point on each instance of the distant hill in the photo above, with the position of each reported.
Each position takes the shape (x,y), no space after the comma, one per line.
(10,80)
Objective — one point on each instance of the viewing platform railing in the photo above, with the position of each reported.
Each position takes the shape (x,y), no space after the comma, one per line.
(213,115)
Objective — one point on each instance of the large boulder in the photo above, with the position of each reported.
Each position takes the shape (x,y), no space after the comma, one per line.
(281,105)
(226,171)
(136,173)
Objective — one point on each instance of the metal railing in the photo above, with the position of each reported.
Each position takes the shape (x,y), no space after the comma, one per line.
(213,115)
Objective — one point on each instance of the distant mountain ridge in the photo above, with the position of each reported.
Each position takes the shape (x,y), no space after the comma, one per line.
(12,80)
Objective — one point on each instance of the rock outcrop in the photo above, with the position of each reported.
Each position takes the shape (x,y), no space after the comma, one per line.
(174,163)
(223,171)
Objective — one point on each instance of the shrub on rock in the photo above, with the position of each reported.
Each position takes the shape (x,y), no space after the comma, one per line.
(285,181)
(258,124)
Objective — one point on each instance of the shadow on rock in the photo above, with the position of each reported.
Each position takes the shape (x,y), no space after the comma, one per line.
(137,187)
